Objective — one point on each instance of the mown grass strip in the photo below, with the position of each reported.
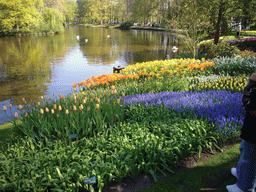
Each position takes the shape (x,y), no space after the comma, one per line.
(211,175)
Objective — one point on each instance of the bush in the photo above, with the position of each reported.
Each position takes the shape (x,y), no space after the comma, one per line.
(222,49)
(126,25)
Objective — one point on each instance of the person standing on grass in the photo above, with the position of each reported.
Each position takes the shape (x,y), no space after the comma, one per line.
(245,172)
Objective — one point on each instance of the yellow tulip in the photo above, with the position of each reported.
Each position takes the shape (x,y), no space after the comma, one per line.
(81,107)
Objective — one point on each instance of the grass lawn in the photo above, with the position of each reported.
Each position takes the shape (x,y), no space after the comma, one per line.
(212,175)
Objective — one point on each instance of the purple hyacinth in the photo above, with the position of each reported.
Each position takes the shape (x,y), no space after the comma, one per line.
(250,39)
(223,108)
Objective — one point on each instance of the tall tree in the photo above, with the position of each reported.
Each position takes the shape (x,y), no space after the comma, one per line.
(16,14)
(143,10)
(71,11)
(190,15)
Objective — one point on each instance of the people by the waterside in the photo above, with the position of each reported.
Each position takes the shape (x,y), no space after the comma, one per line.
(245,171)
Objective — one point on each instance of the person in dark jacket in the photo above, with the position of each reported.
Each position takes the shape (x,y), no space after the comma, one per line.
(245,172)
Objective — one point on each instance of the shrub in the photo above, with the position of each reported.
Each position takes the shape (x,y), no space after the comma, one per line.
(222,49)
(126,25)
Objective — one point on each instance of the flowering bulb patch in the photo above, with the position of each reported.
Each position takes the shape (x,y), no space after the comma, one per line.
(223,108)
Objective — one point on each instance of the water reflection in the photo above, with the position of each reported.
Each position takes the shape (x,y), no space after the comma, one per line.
(33,66)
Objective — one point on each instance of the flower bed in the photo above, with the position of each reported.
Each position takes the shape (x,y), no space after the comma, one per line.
(223,108)
(244,43)
(119,125)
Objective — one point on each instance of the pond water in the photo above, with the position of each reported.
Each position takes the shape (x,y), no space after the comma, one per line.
(34,66)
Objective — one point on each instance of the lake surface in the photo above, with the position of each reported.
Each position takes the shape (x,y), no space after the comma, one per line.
(34,66)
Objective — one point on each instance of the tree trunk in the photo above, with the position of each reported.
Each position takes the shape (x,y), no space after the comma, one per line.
(217,33)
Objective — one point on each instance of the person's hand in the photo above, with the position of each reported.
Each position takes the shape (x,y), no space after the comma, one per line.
(253,113)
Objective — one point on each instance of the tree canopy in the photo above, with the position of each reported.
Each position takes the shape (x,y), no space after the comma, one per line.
(24,16)
(27,15)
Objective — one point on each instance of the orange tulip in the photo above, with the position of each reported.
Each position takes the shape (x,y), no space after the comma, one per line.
(52,111)
(38,104)
(74,108)
(42,111)
(61,97)
(54,106)
(16,115)
(20,107)
(46,109)
(118,101)
(67,112)
(74,85)
(4,108)
(26,114)
(10,106)
(60,108)
(97,106)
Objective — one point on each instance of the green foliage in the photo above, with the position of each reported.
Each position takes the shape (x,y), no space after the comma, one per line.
(52,21)
(246,54)
(18,15)
(124,150)
(234,66)
(71,12)
(126,25)
(33,16)
(209,50)
(154,85)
